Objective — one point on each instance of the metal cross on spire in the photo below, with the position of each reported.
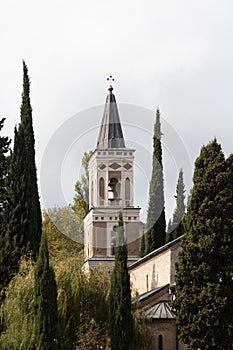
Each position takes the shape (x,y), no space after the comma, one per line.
(110,79)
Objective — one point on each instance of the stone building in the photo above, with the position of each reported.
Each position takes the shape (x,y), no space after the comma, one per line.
(111,189)
(152,278)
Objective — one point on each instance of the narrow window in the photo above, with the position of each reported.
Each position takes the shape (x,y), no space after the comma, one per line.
(127,191)
(113,245)
(147,283)
(113,240)
(101,190)
(160,342)
(92,194)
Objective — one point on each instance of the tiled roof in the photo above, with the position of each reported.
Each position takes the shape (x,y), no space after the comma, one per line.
(161,310)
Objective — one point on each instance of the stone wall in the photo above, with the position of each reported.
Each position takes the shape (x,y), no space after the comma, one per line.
(156,269)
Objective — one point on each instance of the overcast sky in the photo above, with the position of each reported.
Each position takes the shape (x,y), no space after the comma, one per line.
(177,55)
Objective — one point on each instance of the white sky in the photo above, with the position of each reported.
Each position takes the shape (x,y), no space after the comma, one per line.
(175,54)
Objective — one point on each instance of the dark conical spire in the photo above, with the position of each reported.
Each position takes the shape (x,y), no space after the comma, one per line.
(110,134)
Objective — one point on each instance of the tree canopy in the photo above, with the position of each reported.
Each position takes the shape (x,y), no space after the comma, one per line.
(175,227)
(204,275)
(156,223)
(45,301)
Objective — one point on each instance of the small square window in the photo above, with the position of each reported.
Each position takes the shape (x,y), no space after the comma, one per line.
(102,217)
(110,218)
(96,217)
(129,217)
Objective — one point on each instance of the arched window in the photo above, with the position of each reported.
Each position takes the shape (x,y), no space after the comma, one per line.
(127,191)
(92,194)
(160,342)
(113,240)
(101,190)
(113,245)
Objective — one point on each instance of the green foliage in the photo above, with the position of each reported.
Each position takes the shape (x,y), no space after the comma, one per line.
(69,281)
(22,216)
(143,336)
(33,223)
(83,304)
(60,245)
(4,238)
(142,245)
(120,317)
(156,223)
(81,198)
(45,302)
(204,277)
(93,330)
(4,161)
(15,215)
(176,228)
(16,312)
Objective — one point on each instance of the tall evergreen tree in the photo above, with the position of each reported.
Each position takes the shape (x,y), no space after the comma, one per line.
(45,327)
(204,276)
(15,213)
(169,236)
(142,245)
(34,220)
(4,160)
(4,239)
(156,223)
(176,229)
(23,215)
(120,317)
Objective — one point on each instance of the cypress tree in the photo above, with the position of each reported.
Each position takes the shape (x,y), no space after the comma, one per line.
(4,161)
(204,275)
(23,214)
(169,236)
(156,223)
(34,220)
(176,229)
(15,213)
(120,317)
(4,239)
(45,326)
(142,245)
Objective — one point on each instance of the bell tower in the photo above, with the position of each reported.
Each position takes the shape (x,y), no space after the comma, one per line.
(111,191)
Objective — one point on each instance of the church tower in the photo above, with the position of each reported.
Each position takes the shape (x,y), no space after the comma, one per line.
(111,191)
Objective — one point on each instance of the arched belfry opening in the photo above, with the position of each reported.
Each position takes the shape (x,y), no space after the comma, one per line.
(111,178)
(112,188)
